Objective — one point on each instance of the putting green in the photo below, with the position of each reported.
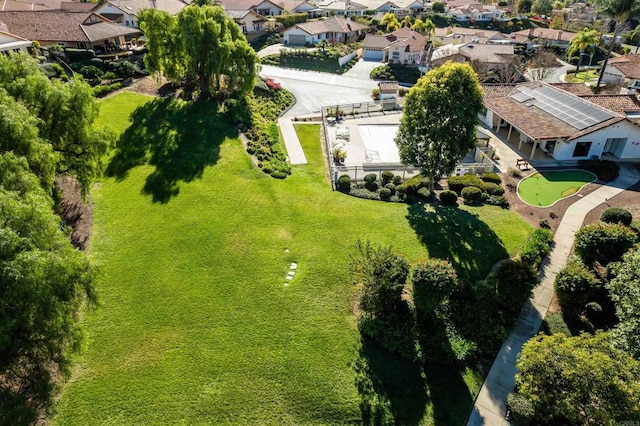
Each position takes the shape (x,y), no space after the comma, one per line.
(544,189)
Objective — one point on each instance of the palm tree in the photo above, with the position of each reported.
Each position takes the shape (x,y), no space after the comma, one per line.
(388,18)
(583,40)
(429,28)
(418,26)
(618,11)
(406,22)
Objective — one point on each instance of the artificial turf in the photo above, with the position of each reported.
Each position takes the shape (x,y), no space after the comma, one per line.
(544,188)
(195,324)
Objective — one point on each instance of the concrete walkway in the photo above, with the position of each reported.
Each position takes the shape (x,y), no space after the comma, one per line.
(491,404)
(291,141)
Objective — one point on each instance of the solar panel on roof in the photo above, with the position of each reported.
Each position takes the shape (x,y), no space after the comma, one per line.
(521,97)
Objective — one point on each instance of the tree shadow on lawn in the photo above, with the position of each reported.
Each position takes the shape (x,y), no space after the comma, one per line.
(458,236)
(392,389)
(179,138)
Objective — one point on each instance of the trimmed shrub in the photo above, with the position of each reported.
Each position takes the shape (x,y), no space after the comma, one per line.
(458,183)
(91,72)
(104,89)
(410,186)
(616,215)
(537,247)
(514,282)
(344,183)
(385,194)
(433,282)
(472,195)
(370,178)
(491,177)
(391,187)
(575,284)
(603,242)
(514,172)
(397,180)
(387,176)
(448,198)
(75,55)
(426,194)
(606,170)
(497,200)
(493,189)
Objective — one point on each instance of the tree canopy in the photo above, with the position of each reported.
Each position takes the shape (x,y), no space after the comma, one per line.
(44,282)
(625,294)
(202,46)
(50,122)
(578,380)
(438,126)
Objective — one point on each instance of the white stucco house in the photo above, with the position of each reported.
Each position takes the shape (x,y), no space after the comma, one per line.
(125,12)
(564,125)
(12,43)
(248,20)
(334,30)
(403,46)
(624,70)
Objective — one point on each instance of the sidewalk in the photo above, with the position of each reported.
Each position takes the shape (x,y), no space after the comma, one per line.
(291,141)
(491,403)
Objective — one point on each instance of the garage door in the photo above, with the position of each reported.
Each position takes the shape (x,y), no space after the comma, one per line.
(297,40)
(373,55)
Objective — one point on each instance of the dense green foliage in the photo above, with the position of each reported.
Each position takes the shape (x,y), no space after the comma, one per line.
(588,382)
(49,122)
(433,281)
(438,126)
(263,134)
(616,215)
(44,282)
(201,46)
(458,183)
(625,293)
(537,247)
(290,19)
(394,72)
(575,285)
(514,282)
(603,242)
(472,195)
(448,198)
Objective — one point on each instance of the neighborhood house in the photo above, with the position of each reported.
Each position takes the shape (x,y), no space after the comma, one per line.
(334,30)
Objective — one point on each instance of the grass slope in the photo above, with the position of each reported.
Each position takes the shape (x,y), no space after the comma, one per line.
(545,188)
(195,324)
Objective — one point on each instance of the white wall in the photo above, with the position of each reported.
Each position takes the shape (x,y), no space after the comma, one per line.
(623,129)
(297,31)
(268,9)
(129,20)
(612,75)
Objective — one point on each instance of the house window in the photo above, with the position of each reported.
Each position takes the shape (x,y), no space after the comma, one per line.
(395,55)
(582,149)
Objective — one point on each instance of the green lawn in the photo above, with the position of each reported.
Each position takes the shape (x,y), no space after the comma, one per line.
(194,323)
(543,189)
(581,77)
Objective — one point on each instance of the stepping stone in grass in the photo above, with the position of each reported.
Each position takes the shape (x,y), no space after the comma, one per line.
(294,265)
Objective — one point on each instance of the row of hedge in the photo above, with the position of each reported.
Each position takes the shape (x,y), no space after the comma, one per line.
(392,188)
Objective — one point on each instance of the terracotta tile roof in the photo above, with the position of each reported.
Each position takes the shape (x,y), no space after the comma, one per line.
(620,104)
(340,5)
(548,34)
(288,5)
(374,41)
(629,65)
(487,53)
(239,4)
(63,26)
(77,6)
(496,90)
(539,123)
(335,24)
(13,6)
(575,88)
(135,6)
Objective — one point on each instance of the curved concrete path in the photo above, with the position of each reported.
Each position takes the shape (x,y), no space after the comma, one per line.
(491,404)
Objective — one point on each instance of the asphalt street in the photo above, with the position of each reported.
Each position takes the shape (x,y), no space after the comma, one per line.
(315,89)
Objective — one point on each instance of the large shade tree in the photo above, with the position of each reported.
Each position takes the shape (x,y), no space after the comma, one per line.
(43,282)
(200,46)
(578,380)
(619,11)
(63,114)
(438,126)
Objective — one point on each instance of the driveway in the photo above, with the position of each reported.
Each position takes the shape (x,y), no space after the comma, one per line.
(315,89)
(362,69)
